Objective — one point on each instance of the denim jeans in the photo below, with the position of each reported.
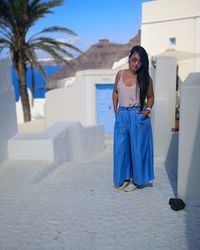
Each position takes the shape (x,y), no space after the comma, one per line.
(133,147)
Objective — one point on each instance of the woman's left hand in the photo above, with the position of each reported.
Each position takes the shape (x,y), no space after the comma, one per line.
(145,113)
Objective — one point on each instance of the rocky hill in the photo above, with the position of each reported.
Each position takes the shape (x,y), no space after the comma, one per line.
(101,55)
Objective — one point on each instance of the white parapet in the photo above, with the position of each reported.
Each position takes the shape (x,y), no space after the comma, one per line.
(189,141)
(63,141)
(163,112)
(37,110)
(8,120)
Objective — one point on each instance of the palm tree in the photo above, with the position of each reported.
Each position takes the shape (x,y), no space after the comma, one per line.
(16,19)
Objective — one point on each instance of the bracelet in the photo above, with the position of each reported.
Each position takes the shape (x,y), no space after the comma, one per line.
(148,109)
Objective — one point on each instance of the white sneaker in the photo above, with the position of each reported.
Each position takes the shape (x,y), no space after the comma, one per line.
(123,186)
(130,187)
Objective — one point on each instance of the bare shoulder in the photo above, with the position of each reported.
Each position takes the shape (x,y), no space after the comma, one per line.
(118,75)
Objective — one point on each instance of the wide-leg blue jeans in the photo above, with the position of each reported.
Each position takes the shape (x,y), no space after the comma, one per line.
(133,147)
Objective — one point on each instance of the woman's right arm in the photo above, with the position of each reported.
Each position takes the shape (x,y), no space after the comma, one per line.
(115,93)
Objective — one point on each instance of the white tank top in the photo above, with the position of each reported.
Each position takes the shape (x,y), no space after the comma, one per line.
(128,96)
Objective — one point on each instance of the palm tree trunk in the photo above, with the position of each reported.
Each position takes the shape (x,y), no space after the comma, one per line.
(32,85)
(21,72)
(25,102)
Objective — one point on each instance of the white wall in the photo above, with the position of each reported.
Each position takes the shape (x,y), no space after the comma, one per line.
(37,110)
(8,120)
(163,112)
(66,104)
(189,141)
(162,10)
(77,102)
(197,44)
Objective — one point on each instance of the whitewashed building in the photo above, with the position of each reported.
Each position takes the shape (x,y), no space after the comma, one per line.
(87,99)
(173,25)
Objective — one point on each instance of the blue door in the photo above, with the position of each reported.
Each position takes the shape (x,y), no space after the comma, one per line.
(105,114)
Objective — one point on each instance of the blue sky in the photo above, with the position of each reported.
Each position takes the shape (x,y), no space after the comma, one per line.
(116,20)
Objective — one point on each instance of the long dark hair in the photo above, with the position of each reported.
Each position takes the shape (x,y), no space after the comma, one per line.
(142,73)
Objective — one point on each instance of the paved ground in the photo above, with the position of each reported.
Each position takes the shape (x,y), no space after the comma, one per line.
(74,206)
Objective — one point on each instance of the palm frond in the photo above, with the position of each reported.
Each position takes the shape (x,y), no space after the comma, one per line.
(39,9)
(5,33)
(51,41)
(5,41)
(55,29)
(55,55)
(60,50)
(53,3)
(32,59)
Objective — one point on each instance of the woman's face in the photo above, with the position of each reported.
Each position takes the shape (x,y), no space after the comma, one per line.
(135,63)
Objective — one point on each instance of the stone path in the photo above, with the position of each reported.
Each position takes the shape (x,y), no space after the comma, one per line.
(75,207)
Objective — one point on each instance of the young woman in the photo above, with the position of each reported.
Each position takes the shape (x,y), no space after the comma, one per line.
(133,99)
